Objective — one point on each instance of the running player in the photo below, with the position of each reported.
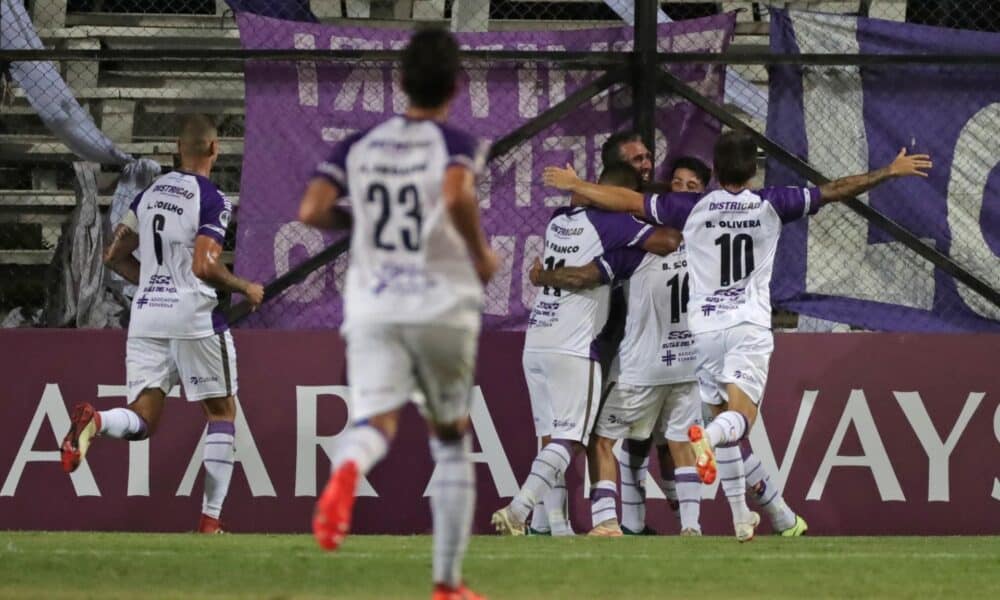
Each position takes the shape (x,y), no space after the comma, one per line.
(414,296)
(560,351)
(731,236)
(176,332)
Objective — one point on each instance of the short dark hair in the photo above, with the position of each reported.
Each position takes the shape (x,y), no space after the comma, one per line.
(611,152)
(735,158)
(430,67)
(197,132)
(620,174)
(695,165)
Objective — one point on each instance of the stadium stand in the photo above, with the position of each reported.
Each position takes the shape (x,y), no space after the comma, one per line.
(136,103)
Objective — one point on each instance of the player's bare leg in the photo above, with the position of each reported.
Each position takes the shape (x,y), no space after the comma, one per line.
(604,488)
(218,457)
(453,503)
(688,486)
(362,447)
(550,464)
(137,422)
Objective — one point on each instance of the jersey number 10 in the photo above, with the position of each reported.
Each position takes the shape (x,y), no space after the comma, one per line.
(736,257)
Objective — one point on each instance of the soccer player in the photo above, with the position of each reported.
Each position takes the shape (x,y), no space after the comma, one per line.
(561,350)
(414,295)
(731,236)
(176,331)
(626,147)
(655,388)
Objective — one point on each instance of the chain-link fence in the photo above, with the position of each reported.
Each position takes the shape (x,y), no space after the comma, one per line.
(546,82)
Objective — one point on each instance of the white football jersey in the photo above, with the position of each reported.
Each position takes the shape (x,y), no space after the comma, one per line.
(731,242)
(568,322)
(408,263)
(658,347)
(170,301)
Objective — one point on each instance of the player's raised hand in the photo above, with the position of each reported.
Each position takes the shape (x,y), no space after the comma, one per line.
(486,265)
(910,164)
(255,295)
(535,271)
(560,178)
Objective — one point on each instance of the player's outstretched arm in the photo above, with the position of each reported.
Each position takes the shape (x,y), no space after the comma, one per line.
(208,267)
(566,278)
(118,255)
(606,197)
(459,194)
(319,206)
(663,241)
(904,165)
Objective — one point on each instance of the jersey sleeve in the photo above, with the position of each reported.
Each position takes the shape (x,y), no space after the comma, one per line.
(464,149)
(670,209)
(216,211)
(334,168)
(792,203)
(618,230)
(619,264)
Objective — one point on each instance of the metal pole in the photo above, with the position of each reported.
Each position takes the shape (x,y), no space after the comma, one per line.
(644,67)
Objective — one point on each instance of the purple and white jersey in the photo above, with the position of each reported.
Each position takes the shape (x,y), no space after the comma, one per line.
(170,301)
(568,322)
(658,347)
(408,263)
(731,242)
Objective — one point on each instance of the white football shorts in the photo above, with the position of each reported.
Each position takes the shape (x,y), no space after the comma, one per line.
(389,364)
(206,367)
(739,355)
(565,394)
(636,411)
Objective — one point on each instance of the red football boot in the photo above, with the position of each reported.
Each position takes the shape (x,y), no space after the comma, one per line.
(209,524)
(446,592)
(705,463)
(84,426)
(332,518)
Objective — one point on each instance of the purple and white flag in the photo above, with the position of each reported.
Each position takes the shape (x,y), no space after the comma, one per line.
(295,112)
(848,120)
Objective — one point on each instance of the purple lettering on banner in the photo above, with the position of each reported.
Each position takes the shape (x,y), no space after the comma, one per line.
(866,448)
(855,120)
(296,111)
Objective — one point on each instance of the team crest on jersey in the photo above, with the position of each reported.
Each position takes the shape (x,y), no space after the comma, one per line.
(224,218)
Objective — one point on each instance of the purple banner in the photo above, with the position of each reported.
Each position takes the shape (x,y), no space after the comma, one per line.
(847,120)
(861,447)
(295,112)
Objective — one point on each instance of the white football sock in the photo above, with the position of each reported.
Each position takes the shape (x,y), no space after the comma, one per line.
(633,461)
(730,465)
(689,497)
(727,428)
(218,460)
(363,444)
(123,424)
(551,461)
(555,508)
(540,518)
(453,502)
(763,493)
(603,502)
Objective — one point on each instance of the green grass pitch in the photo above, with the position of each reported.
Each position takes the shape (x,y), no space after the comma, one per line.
(131,565)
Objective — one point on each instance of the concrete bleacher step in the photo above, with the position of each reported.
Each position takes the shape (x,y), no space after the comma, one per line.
(14,148)
(62,199)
